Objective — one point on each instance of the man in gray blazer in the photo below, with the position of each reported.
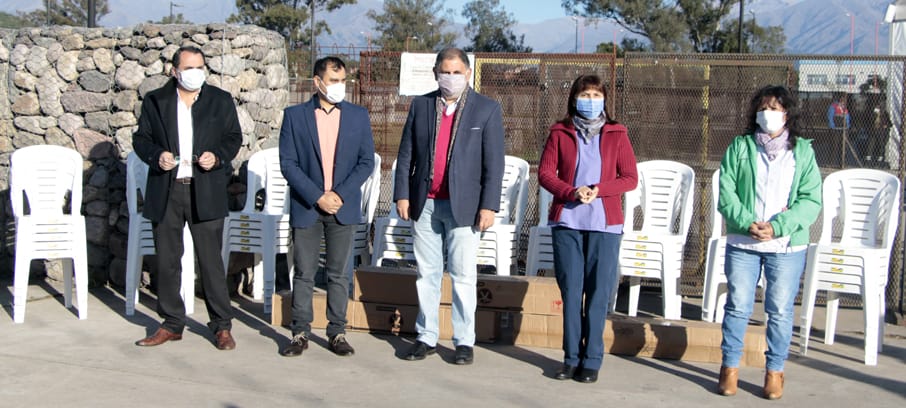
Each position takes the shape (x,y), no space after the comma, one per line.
(448,181)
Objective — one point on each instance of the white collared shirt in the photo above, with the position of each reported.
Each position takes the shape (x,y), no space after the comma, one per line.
(186,134)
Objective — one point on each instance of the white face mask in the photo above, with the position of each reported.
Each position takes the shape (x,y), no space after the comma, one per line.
(192,79)
(451,85)
(334,93)
(770,121)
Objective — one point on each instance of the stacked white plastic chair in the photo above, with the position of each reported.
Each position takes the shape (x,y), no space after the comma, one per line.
(265,232)
(141,240)
(540,245)
(499,244)
(860,210)
(49,225)
(655,251)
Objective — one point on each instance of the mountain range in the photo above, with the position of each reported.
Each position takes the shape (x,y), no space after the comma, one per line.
(810,26)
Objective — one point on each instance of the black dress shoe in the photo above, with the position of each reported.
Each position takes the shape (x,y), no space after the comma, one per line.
(419,351)
(296,347)
(339,346)
(463,355)
(586,376)
(566,372)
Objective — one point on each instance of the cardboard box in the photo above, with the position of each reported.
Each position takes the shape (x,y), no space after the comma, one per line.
(529,294)
(394,286)
(400,319)
(669,339)
(282,314)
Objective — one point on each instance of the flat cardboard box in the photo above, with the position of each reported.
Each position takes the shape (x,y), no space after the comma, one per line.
(529,294)
(400,319)
(393,286)
(282,315)
(643,337)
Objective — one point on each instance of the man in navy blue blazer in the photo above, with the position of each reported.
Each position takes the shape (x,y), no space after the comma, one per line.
(448,181)
(326,154)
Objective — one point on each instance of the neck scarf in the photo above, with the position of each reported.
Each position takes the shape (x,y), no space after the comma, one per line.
(589,128)
(773,146)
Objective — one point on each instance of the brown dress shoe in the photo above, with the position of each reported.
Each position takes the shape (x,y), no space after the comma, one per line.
(726,386)
(773,384)
(159,337)
(225,340)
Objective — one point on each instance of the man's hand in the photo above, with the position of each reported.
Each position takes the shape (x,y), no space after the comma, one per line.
(485,219)
(402,208)
(166,161)
(207,160)
(330,202)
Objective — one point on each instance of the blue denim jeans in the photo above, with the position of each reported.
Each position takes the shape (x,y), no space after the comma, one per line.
(435,230)
(586,266)
(782,272)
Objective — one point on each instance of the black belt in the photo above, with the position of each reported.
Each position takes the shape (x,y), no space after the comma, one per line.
(185,180)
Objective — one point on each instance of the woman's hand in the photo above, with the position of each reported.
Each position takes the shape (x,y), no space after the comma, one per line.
(586,194)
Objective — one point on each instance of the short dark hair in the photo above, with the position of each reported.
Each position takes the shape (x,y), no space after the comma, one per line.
(322,64)
(583,82)
(786,99)
(451,53)
(187,48)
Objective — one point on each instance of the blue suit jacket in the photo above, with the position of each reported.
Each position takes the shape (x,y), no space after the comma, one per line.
(300,161)
(475,167)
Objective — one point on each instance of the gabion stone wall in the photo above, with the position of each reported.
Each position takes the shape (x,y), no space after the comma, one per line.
(82,88)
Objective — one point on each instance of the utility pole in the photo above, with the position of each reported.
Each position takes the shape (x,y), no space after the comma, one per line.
(314,42)
(742,6)
(91,14)
(47,11)
(172,18)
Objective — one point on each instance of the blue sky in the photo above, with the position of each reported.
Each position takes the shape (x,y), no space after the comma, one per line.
(532,11)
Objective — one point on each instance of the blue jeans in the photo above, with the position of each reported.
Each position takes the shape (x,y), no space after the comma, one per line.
(586,266)
(782,272)
(434,230)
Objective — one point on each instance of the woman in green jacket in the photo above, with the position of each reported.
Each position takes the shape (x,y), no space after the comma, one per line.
(770,193)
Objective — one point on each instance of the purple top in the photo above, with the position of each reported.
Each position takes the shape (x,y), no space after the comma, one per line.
(587,217)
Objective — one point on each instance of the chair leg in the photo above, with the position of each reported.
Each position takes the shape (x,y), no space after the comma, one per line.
(80,270)
(258,280)
(882,305)
(807,312)
(833,305)
(635,284)
(871,314)
(720,303)
(672,300)
(269,276)
(20,287)
(133,276)
(68,271)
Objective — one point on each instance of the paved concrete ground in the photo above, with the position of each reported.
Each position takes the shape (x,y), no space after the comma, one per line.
(54,359)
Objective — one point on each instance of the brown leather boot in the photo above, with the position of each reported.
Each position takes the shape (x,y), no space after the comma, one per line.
(726,386)
(773,384)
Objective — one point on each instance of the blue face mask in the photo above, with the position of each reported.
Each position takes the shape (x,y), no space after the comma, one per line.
(590,108)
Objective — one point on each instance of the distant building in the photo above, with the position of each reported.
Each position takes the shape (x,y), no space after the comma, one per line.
(841,76)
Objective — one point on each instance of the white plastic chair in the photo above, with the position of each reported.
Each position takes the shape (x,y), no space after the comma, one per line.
(715,291)
(141,240)
(498,245)
(853,253)
(48,225)
(540,245)
(655,251)
(265,233)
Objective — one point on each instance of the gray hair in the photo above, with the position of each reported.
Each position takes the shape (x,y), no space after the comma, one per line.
(451,53)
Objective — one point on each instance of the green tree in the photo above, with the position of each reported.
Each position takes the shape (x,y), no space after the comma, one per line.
(10,21)
(287,17)
(172,19)
(66,12)
(418,24)
(626,45)
(677,25)
(756,39)
(490,28)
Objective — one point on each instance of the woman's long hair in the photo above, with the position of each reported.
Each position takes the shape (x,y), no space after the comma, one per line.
(786,99)
(582,83)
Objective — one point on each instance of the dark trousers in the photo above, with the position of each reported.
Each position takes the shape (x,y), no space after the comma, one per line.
(208,237)
(586,264)
(306,254)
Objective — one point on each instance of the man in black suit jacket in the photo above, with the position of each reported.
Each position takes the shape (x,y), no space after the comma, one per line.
(187,134)
(449,174)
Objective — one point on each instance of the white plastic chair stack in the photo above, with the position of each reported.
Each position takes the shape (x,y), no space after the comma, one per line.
(499,244)
(40,178)
(141,240)
(540,245)
(392,235)
(656,250)
(265,233)
(853,253)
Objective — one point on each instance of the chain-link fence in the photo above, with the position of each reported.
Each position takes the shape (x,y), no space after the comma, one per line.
(681,107)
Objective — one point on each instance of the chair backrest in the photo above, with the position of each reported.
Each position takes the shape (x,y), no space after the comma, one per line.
(665,196)
(371,191)
(864,204)
(136,181)
(514,194)
(264,173)
(41,176)
(717,220)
